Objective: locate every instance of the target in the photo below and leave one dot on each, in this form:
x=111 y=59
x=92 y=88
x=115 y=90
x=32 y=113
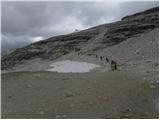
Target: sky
x=25 y=22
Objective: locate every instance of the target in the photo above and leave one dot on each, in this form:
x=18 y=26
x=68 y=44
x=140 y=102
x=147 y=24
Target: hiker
x=96 y=56
x=80 y=53
x=113 y=65
x=107 y=59
x=101 y=57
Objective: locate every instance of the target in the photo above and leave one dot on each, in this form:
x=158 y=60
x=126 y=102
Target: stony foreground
x=118 y=94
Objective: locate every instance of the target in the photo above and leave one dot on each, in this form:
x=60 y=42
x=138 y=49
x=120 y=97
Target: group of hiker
x=113 y=64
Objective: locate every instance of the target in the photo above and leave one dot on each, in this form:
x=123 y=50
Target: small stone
x=105 y=98
x=42 y=112
x=156 y=82
x=90 y=103
x=144 y=78
x=64 y=78
x=148 y=71
x=9 y=96
x=89 y=88
x=84 y=102
x=124 y=78
x=58 y=116
x=28 y=86
x=72 y=105
x=137 y=52
x=148 y=61
x=69 y=94
x=145 y=100
x=152 y=86
x=126 y=115
x=64 y=116
x=155 y=64
x=128 y=110
x=107 y=117
x=100 y=97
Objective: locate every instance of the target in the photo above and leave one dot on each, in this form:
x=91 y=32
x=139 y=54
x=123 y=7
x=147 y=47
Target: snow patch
x=69 y=66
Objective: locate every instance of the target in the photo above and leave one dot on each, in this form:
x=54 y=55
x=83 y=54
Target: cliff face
x=103 y=36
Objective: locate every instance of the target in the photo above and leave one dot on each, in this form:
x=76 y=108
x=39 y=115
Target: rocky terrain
x=28 y=91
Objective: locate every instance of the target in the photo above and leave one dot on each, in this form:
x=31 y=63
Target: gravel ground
x=118 y=94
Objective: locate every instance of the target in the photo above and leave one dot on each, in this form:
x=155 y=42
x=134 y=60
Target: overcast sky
x=26 y=22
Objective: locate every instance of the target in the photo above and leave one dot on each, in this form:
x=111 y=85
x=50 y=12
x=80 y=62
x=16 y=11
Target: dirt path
x=119 y=94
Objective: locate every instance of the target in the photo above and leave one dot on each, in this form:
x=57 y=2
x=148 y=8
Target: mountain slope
x=29 y=90
x=87 y=41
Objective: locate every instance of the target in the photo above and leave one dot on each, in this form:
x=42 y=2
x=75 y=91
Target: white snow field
x=69 y=66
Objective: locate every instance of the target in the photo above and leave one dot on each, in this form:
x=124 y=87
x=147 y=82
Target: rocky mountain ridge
x=102 y=36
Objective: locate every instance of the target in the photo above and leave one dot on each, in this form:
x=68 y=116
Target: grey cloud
x=11 y=42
